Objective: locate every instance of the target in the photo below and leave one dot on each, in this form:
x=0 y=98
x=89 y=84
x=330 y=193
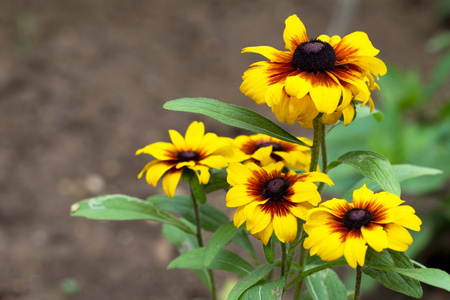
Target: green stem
x=358 y=282
x=306 y=273
x=283 y=265
x=318 y=133
x=323 y=149
x=318 y=137
x=200 y=242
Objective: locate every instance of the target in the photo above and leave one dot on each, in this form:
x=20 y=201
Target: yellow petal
x=301 y=210
x=331 y=119
x=214 y=161
x=362 y=197
x=295 y=33
x=398 y=237
x=160 y=150
x=265 y=234
x=319 y=177
x=194 y=135
x=306 y=111
x=326 y=93
x=259 y=219
x=271 y=53
x=255 y=83
x=263 y=155
x=331 y=248
x=358 y=42
x=355 y=249
x=336 y=206
x=285 y=227
x=202 y=174
x=170 y=182
x=156 y=171
x=324 y=38
x=349 y=114
x=238 y=196
x=275 y=94
x=238 y=174
x=177 y=140
x=239 y=217
x=297 y=86
x=147 y=166
x=375 y=236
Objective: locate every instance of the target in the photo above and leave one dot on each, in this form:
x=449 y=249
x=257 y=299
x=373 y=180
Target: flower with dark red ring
x=324 y=76
x=197 y=151
x=377 y=220
x=264 y=150
x=269 y=200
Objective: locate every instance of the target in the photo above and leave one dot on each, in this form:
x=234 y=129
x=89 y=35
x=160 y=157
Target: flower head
x=338 y=228
x=197 y=151
x=264 y=150
x=323 y=75
x=269 y=200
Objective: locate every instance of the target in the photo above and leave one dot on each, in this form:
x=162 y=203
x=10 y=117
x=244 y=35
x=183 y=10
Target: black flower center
x=355 y=218
x=274 y=189
x=314 y=56
x=275 y=146
x=188 y=156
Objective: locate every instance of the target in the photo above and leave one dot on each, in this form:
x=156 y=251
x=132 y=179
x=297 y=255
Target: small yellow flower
x=322 y=75
x=269 y=200
x=264 y=150
x=197 y=151
x=338 y=228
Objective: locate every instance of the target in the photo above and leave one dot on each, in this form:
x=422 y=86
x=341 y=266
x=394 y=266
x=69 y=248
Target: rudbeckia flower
x=375 y=220
x=264 y=150
x=197 y=151
x=271 y=201
x=322 y=75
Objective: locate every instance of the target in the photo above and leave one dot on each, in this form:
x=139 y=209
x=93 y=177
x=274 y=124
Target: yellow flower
x=338 y=228
x=264 y=150
x=197 y=151
x=269 y=200
x=322 y=75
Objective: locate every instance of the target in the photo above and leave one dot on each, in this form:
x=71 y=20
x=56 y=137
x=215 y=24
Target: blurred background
x=82 y=84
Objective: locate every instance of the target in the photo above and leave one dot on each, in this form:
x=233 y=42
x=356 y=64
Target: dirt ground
x=82 y=84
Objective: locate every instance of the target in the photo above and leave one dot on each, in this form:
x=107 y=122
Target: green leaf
x=197 y=190
x=180 y=239
x=434 y=277
x=241 y=239
x=210 y=217
x=373 y=166
x=224 y=260
x=220 y=238
x=205 y=278
x=217 y=181
x=363 y=112
x=326 y=285
x=379 y=266
x=123 y=207
x=268 y=252
x=232 y=115
x=264 y=291
x=249 y=280
x=403 y=171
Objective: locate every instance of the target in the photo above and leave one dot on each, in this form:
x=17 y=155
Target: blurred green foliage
x=414 y=130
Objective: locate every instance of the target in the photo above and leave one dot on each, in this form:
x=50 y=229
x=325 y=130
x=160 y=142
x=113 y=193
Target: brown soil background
x=82 y=84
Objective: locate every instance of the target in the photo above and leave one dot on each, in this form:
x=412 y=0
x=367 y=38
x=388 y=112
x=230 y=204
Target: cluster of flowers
x=270 y=191
x=270 y=186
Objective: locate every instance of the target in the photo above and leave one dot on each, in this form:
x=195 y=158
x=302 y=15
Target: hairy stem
x=323 y=149
x=358 y=282
x=200 y=243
